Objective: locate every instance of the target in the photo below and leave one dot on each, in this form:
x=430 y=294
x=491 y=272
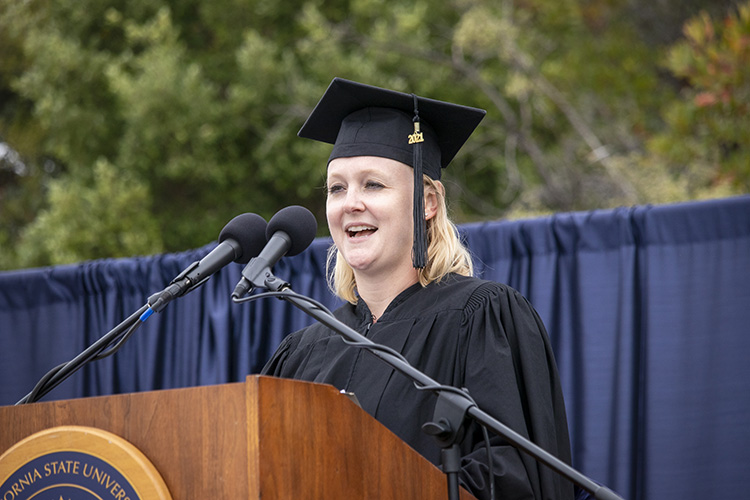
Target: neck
x=378 y=293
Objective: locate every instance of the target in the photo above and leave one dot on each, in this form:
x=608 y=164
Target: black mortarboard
x=362 y=120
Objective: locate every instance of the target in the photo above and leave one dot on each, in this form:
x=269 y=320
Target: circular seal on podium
x=78 y=463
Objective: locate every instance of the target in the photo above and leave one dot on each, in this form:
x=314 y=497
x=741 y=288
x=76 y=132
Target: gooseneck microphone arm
x=451 y=401
x=57 y=375
x=195 y=275
x=240 y=240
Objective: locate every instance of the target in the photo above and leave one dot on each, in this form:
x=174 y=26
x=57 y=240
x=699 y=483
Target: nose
x=353 y=201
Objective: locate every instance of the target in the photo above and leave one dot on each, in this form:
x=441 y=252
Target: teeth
x=356 y=229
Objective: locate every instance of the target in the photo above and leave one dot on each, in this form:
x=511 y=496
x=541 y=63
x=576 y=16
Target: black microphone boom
x=241 y=239
x=289 y=232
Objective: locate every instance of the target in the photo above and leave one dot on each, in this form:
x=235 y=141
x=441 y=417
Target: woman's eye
x=335 y=188
x=373 y=185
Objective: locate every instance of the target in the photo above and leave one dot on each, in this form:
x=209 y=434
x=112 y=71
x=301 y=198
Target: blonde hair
x=445 y=252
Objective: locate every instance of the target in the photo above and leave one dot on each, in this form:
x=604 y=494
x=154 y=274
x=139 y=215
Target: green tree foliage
x=145 y=125
x=110 y=206
x=708 y=137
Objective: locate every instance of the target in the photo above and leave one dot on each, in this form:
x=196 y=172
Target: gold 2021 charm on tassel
x=417 y=136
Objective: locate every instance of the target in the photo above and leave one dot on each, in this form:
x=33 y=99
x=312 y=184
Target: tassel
x=419 y=249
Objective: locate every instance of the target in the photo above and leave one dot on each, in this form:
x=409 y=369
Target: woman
x=398 y=262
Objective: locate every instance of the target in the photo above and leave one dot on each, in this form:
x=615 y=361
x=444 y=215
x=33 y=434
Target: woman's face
x=369 y=212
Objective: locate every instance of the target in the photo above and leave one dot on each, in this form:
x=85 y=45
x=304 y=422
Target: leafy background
x=132 y=127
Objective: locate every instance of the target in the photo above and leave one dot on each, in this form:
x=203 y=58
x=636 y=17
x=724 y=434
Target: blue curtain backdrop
x=648 y=309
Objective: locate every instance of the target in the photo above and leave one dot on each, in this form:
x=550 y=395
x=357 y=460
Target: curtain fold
x=648 y=310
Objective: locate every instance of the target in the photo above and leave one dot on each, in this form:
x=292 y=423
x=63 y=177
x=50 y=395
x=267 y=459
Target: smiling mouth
x=360 y=231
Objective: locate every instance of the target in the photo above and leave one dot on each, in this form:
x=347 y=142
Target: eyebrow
x=368 y=172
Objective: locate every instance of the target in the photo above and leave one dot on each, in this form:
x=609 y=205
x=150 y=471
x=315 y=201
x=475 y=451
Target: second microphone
x=289 y=232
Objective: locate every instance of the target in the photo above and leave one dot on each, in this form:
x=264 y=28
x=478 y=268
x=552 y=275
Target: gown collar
x=363 y=312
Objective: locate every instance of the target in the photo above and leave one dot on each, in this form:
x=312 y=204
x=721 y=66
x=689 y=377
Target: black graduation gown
x=463 y=332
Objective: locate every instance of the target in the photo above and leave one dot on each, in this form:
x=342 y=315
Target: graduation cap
x=363 y=120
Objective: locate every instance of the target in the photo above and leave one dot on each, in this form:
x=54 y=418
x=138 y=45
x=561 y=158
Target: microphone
x=289 y=232
x=241 y=239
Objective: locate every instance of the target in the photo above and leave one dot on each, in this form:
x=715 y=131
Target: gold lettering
x=115 y=490
x=99 y=476
x=91 y=470
x=20 y=485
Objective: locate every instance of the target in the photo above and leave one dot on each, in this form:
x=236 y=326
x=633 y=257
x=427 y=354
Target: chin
x=359 y=264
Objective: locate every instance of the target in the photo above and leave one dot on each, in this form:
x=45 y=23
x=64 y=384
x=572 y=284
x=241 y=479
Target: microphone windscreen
x=249 y=230
x=296 y=221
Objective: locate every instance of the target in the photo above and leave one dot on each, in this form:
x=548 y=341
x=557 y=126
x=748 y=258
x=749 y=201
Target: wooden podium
x=265 y=438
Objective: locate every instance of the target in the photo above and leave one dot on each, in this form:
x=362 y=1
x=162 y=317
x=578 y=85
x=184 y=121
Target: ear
x=431 y=200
